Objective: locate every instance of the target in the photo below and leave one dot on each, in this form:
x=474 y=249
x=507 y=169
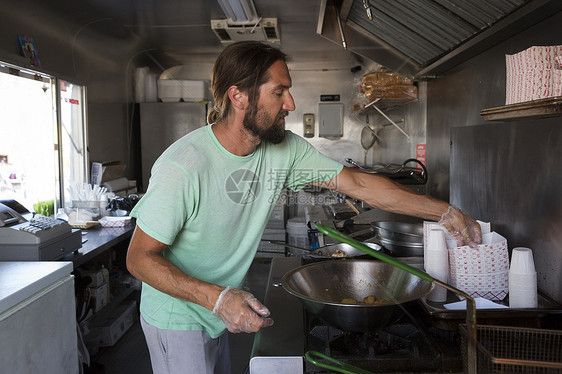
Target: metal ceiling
x=424 y=30
x=421 y=38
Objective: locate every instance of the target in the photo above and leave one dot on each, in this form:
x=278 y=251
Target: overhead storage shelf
x=387 y=103
x=543 y=108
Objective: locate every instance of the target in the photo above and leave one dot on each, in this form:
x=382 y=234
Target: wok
x=321 y=287
x=401 y=239
x=470 y=304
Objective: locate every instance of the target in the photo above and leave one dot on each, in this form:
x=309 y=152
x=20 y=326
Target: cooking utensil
x=402 y=250
x=470 y=304
x=353 y=207
x=368 y=138
x=333 y=251
x=400 y=231
x=347 y=202
x=322 y=286
x=403 y=173
x=507 y=349
x=401 y=239
x=340 y=367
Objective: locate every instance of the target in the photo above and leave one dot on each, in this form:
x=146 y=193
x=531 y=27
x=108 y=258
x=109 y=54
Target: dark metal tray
x=545 y=306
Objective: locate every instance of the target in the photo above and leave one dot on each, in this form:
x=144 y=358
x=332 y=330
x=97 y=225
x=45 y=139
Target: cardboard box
x=97 y=276
x=100 y=296
x=113 y=170
x=105 y=329
x=106 y=171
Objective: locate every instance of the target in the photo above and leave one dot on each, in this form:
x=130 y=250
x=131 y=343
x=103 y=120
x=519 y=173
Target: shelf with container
x=384 y=90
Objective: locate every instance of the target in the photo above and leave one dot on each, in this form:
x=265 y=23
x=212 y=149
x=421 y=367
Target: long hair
x=245 y=65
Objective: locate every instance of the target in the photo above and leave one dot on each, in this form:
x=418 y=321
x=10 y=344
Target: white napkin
x=481 y=303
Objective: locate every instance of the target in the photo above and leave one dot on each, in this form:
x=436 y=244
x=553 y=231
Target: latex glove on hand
x=241 y=311
x=462 y=227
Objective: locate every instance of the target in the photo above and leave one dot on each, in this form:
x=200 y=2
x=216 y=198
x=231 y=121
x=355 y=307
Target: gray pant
x=175 y=352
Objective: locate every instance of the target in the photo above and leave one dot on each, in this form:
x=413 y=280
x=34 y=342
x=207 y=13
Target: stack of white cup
x=522 y=279
x=437 y=263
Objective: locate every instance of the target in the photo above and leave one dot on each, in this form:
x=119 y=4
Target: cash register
x=26 y=236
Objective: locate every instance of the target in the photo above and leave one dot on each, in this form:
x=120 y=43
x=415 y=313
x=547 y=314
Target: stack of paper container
x=533 y=74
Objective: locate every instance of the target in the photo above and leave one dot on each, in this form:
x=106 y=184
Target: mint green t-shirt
x=211 y=207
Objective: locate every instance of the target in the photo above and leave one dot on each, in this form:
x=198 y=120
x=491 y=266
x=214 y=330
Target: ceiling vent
x=265 y=30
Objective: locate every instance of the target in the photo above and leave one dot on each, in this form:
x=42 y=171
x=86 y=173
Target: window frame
x=56 y=82
x=84 y=140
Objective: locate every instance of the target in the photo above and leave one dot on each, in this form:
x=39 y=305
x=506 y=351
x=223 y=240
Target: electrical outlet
x=308 y=123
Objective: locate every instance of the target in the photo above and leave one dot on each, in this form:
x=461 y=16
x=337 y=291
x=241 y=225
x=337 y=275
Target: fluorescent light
x=239 y=11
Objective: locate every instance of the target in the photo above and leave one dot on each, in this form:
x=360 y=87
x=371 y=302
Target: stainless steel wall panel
x=505 y=173
x=521 y=190
x=161 y=124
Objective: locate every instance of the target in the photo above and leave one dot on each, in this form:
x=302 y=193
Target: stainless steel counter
x=280 y=348
x=97 y=240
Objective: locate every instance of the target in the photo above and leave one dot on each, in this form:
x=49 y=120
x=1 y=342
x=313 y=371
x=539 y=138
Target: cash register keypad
x=40 y=223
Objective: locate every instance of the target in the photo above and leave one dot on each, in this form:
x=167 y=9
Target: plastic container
x=115 y=221
x=297 y=232
x=83 y=211
x=195 y=90
x=174 y=90
x=170 y=90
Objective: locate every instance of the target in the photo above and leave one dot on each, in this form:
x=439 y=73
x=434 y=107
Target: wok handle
x=377 y=254
x=341 y=367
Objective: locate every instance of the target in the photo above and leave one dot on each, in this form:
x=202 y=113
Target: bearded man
x=209 y=198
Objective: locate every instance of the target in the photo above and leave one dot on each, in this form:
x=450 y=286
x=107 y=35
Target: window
x=73 y=143
x=42 y=137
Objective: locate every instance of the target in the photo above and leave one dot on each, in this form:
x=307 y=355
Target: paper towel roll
x=437 y=264
x=116 y=184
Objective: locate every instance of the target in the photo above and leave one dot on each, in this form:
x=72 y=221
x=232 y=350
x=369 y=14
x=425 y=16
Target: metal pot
x=330 y=251
x=321 y=287
x=401 y=239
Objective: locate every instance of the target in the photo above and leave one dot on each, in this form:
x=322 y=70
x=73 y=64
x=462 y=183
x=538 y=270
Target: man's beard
x=272 y=132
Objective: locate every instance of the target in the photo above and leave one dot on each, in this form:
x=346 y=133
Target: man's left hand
x=462 y=227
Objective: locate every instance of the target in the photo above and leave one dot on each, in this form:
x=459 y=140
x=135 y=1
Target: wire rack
x=502 y=349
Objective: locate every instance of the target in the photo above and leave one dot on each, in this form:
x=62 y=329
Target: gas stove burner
x=405 y=346
x=396 y=340
x=410 y=345
x=326 y=333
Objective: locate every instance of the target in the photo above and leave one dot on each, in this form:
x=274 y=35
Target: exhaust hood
x=424 y=38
